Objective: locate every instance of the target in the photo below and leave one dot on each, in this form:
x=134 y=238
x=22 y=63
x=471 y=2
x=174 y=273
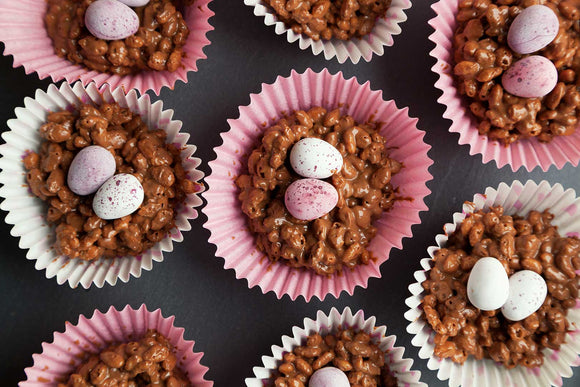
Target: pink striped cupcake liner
x=527 y=153
x=328 y=324
x=23 y=32
x=519 y=199
x=27 y=213
x=354 y=49
x=228 y=225
x=63 y=355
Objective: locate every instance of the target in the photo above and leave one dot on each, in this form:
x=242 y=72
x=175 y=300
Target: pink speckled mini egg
x=531 y=77
x=533 y=29
x=315 y=158
x=90 y=168
x=135 y=3
x=309 y=199
x=328 y=377
x=119 y=196
x=111 y=20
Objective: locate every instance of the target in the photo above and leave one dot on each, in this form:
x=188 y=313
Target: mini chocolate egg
x=532 y=77
x=134 y=3
x=308 y=199
x=315 y=158
x=111 y=20
x=328 y=377
x=488 y=284
x=528 y=292
x=119 y=196
x=533 y=29
x=90 y=168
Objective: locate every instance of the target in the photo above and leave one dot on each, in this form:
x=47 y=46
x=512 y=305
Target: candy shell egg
x=532 y=77
x=328 y=377
x=111 y=20
x=134 y=3
x=309 y=199
x=119 y=196
x=528 y=292
x=90 y=168
x=315 y=158
x=533 y=29
x=488 y=284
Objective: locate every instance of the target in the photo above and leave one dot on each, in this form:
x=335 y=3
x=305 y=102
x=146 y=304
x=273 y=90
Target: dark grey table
x=232 y=324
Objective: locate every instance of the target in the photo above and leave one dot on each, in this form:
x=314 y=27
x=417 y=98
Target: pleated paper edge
x=37 y=237
x=527 y=153
x=325 y=324
x=234 y=242
x=516 y=198
x=95 y=333
x=354 y=49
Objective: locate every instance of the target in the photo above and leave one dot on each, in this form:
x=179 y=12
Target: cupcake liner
x=516 y=199
x=64 y=354
x=529 y=153
x=327 y=324
x=228 y=224
x=353 y=49
x=23 y=32
x=27 y=212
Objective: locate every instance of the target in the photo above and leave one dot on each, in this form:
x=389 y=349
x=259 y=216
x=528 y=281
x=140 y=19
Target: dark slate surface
x=232 y=324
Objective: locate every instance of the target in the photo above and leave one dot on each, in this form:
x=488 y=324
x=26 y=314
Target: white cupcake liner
x=353 y=49
x=63 y=355
x=27 y=212
x=517 y=199
x=327 y=324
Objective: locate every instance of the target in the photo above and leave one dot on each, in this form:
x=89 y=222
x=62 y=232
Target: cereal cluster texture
x=482 y=55
x=530 y=243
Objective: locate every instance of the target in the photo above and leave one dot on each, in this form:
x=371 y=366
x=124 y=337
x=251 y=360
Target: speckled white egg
x=135 y=3
x=90 y=168
x=328 y=377
x=532 y=77
x=315 y=158
x=309 y=199
x=533 y=29
x=528 y=292
x=119 y=196
x=111 y=20
x=488 y=284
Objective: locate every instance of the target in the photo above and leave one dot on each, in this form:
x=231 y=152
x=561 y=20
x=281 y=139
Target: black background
x=232 y=324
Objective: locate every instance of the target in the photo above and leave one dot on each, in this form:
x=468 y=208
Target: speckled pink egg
x=90 y=168
x=309 y=199
x=528 y=292
x=135 y=3
x=111 y=20
x=315 y=158
x=533 y=29
x=119 y=196
x=531 y=77
x=328 y=377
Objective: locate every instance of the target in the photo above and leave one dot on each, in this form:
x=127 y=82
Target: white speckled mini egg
x=533 y=29
x=531 y=77
x=90 y=168
x=528 y=292
x=488 y=284
x=328 y=377
x=119 y=196
x=309 y=199
x=111 y=20
x=315 y=158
